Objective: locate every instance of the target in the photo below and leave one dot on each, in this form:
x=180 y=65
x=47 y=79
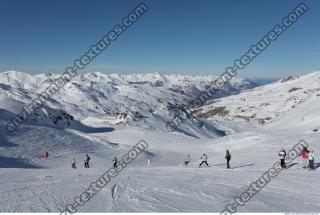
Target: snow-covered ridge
x=111 y=98
x=97 y=99
x=12 y=76
x=262 y=104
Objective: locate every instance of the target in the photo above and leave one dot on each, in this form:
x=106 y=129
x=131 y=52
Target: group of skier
x=204 y=159
x=307 y=158
x=86 y=162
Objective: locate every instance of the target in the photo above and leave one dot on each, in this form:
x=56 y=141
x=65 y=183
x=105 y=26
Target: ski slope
x=167 y=186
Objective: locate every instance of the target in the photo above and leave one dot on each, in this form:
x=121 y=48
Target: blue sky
x=175 y=36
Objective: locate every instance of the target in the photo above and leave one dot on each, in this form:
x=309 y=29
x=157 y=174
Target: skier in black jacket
x=115 y=162
x=228 y=157
x=86 y=161
x=73 y=163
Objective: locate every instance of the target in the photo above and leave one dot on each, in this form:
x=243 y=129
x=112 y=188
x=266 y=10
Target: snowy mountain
x=267 y=103
x=97 y=99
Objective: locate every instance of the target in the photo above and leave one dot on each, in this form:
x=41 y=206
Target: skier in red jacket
x=304 y=154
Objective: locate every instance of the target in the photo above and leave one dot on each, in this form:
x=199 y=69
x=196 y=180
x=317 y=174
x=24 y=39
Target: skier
x=188 y=160
x=73 y=163
x=304 y=154
x=228 y=157
x=204 y=159
x=282 y=155
x=311 y=160
x=149 y=161
x=86 y=161
x=115 y=162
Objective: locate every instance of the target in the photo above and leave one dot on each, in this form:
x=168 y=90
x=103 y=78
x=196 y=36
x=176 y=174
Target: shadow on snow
x=250 y=164
x=7 y=162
